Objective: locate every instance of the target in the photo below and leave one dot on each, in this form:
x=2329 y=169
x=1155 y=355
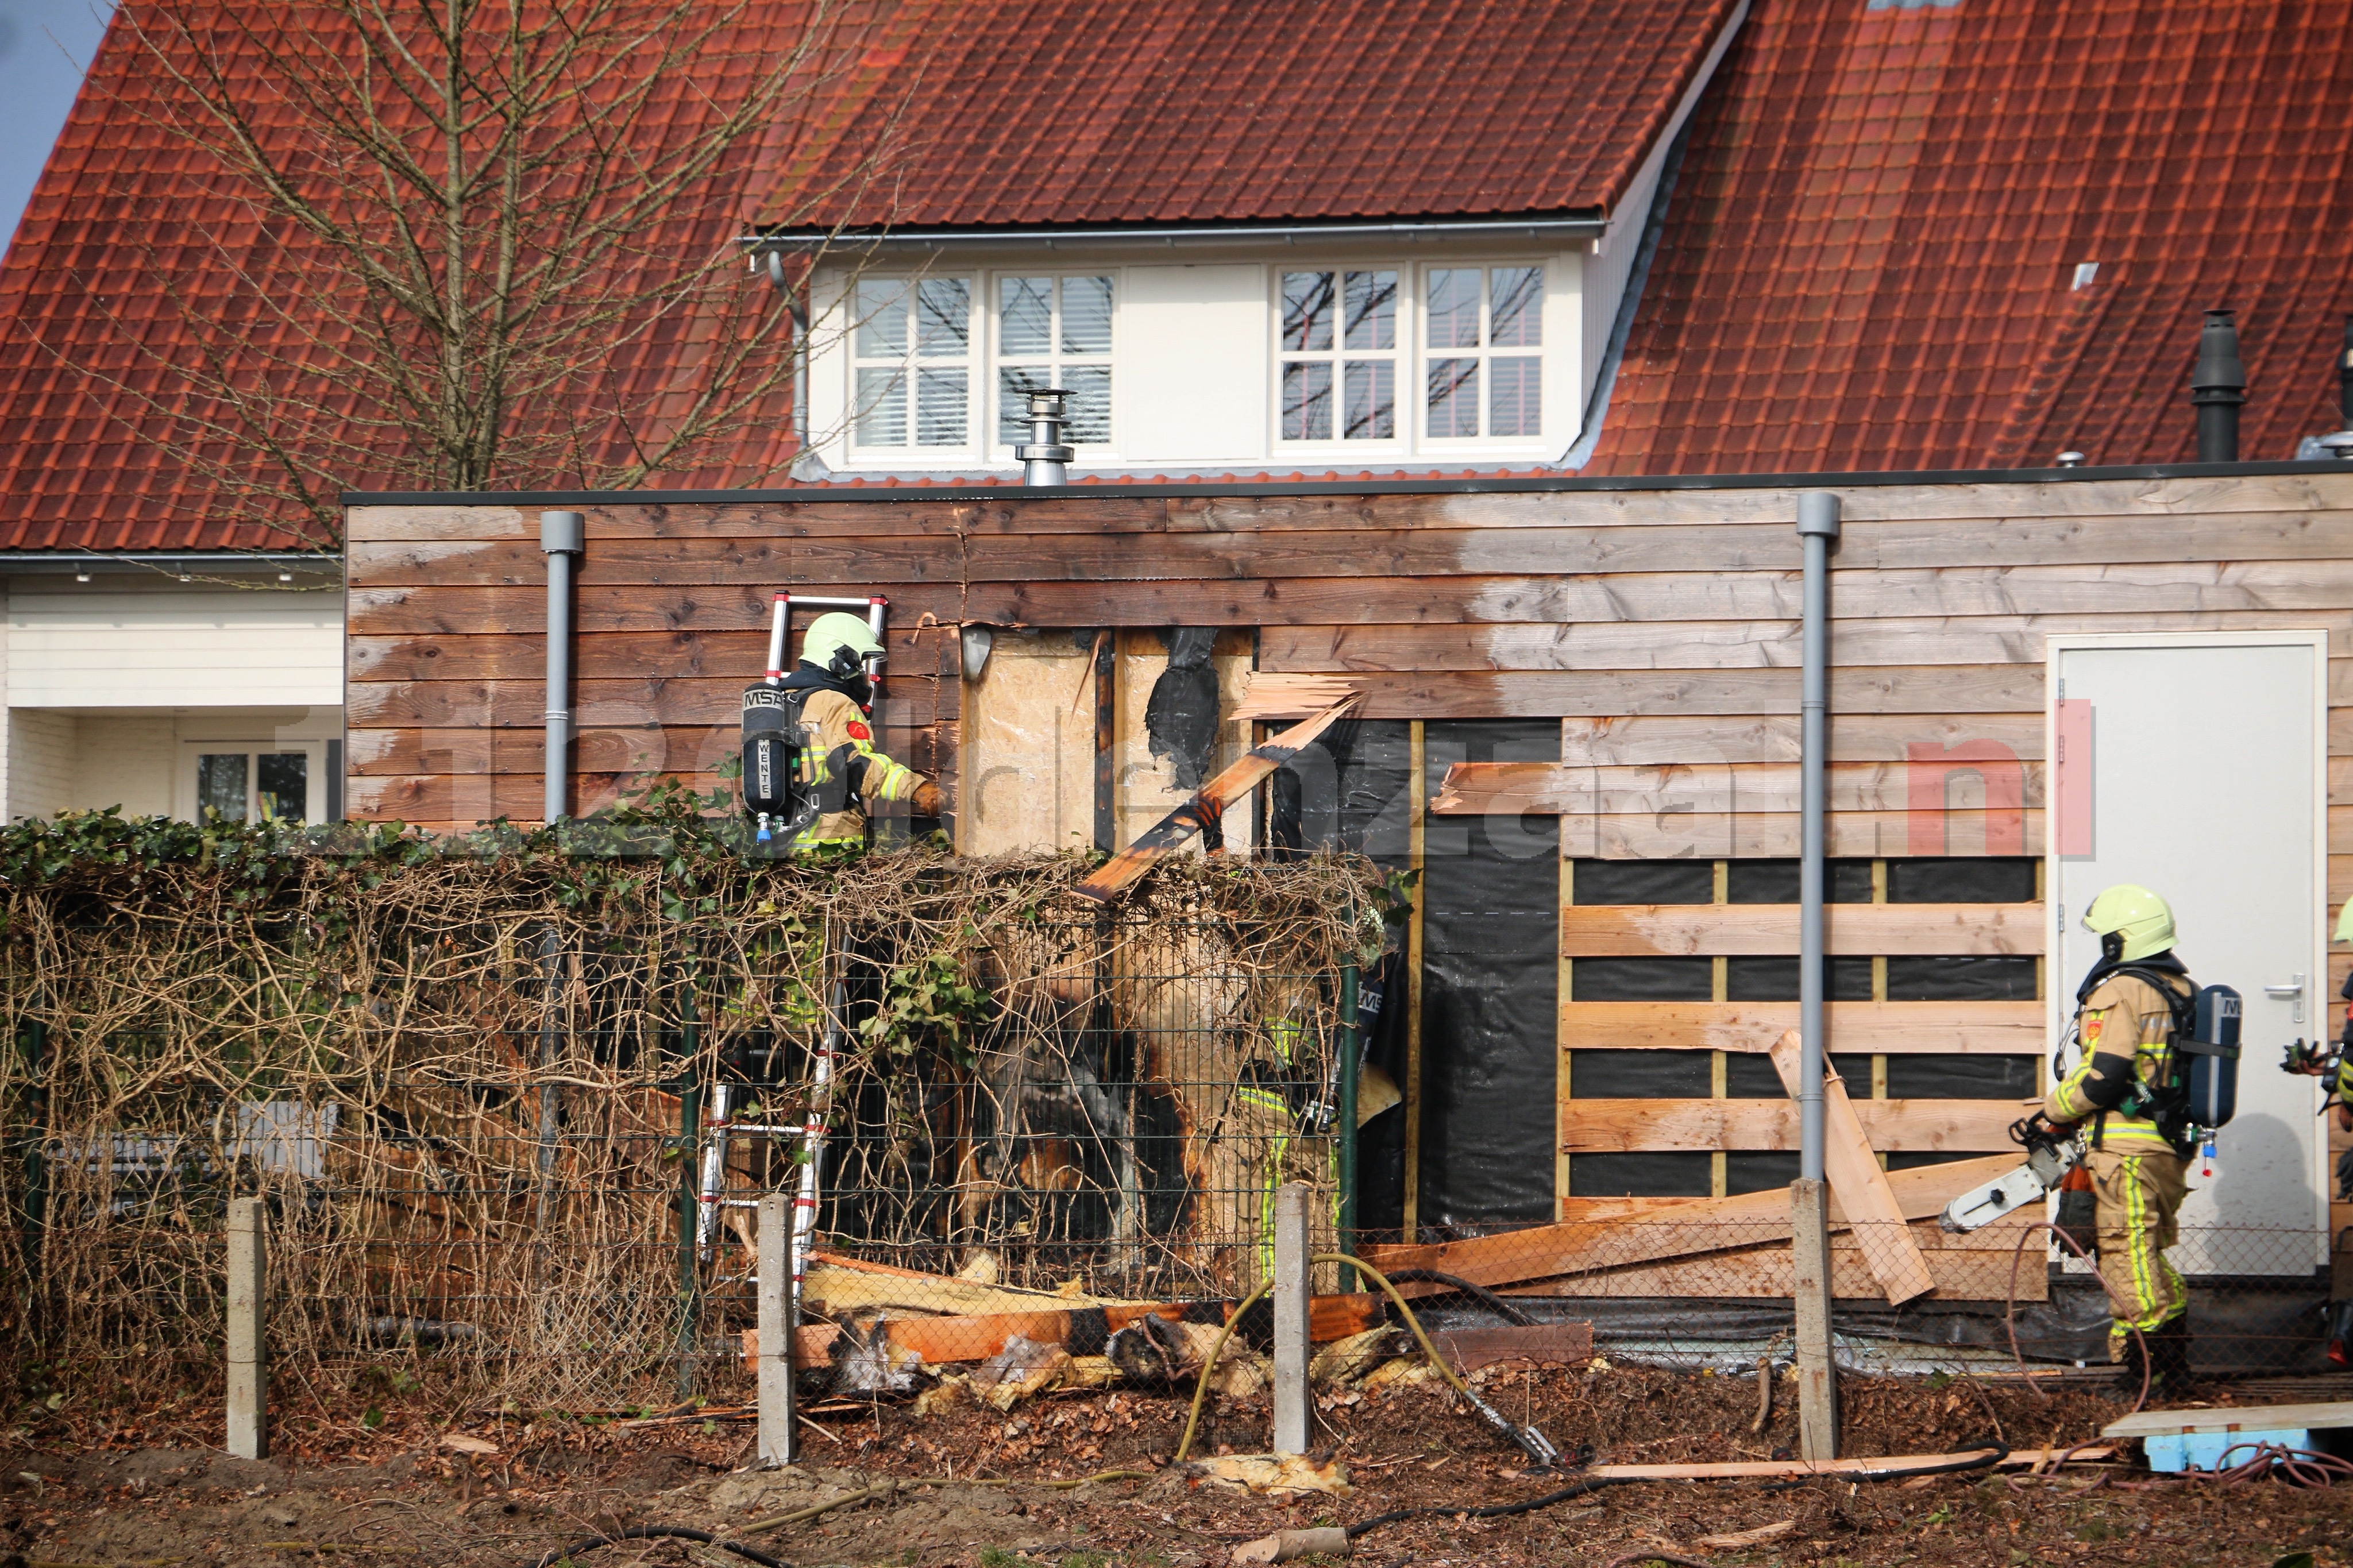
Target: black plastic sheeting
x=1347 y=790
x=1490 y=1030
x=1181 y=718
x=2271 y=1326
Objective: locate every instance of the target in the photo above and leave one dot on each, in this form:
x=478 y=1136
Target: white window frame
x=1400 y=357
x=314 y=792
x=1055 y=360
x=1485 y=352
x=910 y=363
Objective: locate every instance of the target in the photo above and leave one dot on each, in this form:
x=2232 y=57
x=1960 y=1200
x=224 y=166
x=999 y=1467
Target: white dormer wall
x=1197 y=351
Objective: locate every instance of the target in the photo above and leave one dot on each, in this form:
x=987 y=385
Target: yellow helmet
x=2131 y=922
x=840 y=644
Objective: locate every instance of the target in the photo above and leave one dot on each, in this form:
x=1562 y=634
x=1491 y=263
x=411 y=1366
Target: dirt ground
x=92 y=1489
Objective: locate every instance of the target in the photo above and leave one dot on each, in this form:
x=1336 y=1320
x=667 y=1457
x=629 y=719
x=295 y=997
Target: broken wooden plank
x=1467 y=1350
x=1735 y=1469
x=944 y=1340
x=1862 y=1028
x=1616 y=930
x=1700 y=1225
x=1893 y=1126
x=1271 y=696
x=1210 y=805
x=1972 y=1267
x=1852 y=1167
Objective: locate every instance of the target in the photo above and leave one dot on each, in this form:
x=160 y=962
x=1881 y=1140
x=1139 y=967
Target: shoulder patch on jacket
x=859 y=731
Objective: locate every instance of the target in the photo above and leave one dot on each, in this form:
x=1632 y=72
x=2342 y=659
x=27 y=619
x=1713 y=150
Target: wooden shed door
x=2195 y=765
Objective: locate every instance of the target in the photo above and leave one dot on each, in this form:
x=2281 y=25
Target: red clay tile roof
x=1093 y=111
x=1870 y=258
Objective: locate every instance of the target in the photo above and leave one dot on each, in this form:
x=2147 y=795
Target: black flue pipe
x=2218 y=387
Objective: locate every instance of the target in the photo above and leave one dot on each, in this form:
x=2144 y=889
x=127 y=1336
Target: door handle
x=2293 y=990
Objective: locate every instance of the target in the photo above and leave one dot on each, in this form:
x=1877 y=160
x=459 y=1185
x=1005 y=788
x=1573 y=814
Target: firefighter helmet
x=2131 y=922
x=840 y=644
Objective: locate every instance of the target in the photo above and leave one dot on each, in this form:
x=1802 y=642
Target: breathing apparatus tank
x=773 y=741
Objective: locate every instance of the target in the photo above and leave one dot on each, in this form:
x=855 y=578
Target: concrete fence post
x=248 y=1352
x=1817 y=1370
x=1290 y=1288
x=775 y=1330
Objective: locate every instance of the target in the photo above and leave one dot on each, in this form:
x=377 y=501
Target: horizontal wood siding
x=1660 y=627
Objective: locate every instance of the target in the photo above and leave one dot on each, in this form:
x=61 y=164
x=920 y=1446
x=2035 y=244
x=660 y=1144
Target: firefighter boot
x=2133 y=1368
x=2169 y=1354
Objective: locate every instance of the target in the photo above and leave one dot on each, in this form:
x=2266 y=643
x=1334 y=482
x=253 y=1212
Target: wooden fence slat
x=1868 y=834
x=1893 y=1126
x=1473 y=789
x=1592 y=931
x=740 y=655
x=1852 y=1166
x=1883 y=1029
x=1663 y=741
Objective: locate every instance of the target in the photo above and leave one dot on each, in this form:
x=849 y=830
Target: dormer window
x=1339 y=356
x=1054 y=332
x=912 y=342
x=1481 y=328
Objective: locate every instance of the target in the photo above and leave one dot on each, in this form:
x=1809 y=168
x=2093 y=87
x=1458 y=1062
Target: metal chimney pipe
x=562 y=536
x=1818 y=525
x=1045 y=460
x=2217 y=388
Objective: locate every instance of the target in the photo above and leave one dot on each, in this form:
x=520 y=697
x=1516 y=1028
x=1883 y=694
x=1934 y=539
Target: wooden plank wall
x=1658 y=626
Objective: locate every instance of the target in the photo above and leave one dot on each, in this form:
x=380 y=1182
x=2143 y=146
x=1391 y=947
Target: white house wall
x=113 y=643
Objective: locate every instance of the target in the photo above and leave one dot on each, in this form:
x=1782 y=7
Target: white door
x=2195 y=764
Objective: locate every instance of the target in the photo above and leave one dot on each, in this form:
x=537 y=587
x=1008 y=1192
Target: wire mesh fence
x=511 y=1120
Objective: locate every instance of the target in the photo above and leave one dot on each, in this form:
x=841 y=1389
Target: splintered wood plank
x=1615 y=931
x=1972 y=1267
x=1993 y=783
x=1863 y=1194
x=1705 y=738
x=1870 y=835
x=1879 y=1028
x=1639 y=1234
x=1892 y=1126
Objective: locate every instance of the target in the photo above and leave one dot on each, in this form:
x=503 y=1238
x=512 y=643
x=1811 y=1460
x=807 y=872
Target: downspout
x=1818 y=525
x=798 y=310
x=561 y=537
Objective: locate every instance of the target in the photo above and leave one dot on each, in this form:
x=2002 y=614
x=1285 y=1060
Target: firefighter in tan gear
x=840 y=660
x=2123 y=1022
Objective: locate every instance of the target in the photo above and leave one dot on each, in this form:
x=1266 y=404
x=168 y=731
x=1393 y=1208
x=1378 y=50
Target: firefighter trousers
x=2139 y=1195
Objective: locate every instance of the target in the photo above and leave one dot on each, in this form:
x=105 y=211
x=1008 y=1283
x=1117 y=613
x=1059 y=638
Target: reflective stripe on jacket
x=846 y=770
x=2125 y=1016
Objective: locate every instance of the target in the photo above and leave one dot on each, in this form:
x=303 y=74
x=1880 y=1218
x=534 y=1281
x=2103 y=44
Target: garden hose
x=1534 y=1444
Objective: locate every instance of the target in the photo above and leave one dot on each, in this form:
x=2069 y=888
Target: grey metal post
x=1291 y=1286
x=1818 y=525
x=1817 y=1369
x=249 y=1351
x=775 y=1330
x=562 y=536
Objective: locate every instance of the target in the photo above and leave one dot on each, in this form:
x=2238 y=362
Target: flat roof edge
x=1535 y=484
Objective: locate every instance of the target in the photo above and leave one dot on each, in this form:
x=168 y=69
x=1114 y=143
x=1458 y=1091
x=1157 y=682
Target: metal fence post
x=248 y=1356
x=775 y=1330
x=1352 y=1048
x=1817 y=1371
x=1291 y=1210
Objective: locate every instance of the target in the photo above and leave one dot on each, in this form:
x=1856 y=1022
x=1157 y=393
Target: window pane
x=1089 y=405
x=1307 y=312
x=881 y=407
x=282 y=786
x=1372 y=400
x=1514 y=406
x=939 y=408
x=943 y=312
x=1518 y=296
x=1453 y=313
x=1086 y=317
x=1014 y=384
x=882 y=320
x=220 y=786
x=1453 y=397
x=1307 y=401
x=1372 y=310
x=1026 y=308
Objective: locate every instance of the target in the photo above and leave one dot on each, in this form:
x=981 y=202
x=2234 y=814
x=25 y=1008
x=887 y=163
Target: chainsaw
x=2051 y=1153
